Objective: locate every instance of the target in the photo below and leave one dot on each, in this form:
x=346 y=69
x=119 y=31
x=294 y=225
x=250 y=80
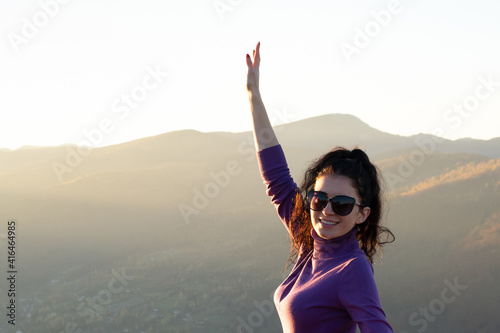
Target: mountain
x=184 y=218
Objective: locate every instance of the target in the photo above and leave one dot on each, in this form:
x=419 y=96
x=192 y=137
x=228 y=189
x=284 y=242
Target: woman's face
x=326 y=223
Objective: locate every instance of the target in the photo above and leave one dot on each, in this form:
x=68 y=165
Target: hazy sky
x=118 y=70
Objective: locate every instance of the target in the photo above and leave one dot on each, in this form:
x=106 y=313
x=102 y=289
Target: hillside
x=185 y=214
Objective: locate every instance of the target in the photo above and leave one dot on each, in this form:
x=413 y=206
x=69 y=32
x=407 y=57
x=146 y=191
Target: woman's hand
x=253 y=70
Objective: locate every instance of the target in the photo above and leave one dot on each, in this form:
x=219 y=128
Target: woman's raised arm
x=263 y=131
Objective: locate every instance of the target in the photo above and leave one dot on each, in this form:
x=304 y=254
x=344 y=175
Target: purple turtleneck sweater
x=331 y=288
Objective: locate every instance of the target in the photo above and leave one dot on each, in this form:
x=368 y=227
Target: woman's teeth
x=328 y=222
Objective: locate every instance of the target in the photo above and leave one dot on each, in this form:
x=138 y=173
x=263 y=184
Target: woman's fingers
x=257 y=55
x=253 y=69
x=249 y=61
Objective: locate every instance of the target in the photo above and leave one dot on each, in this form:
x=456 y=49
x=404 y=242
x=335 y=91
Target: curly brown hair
x=364 y=175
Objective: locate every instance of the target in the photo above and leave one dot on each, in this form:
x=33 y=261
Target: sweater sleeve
x=359 y=295
x=279 y=183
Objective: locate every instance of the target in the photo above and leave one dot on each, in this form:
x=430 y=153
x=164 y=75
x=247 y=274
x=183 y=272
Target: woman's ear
x=363 y=215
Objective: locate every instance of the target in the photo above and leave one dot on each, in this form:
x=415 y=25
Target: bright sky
x=119 y=70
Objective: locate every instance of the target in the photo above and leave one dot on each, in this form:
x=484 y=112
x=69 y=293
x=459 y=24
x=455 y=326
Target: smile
x=328 y=222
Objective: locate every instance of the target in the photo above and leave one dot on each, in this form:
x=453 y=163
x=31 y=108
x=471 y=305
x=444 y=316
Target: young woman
x=333 y=222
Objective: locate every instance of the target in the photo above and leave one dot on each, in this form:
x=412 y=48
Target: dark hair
x=355 y=165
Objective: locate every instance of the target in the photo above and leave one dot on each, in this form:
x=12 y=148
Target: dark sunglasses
x=341 y=204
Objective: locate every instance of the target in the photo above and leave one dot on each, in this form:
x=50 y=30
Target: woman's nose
x=328 y=210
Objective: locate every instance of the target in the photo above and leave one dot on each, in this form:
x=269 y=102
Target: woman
x=335 y=232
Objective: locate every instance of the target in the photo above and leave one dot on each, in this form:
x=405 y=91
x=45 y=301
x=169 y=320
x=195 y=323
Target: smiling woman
x=335 y=217
x=334 y=233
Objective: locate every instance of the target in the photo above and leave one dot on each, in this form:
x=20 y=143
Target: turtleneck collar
x=335 y=247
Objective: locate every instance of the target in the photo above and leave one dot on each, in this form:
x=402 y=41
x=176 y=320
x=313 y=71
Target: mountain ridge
x=347 y=123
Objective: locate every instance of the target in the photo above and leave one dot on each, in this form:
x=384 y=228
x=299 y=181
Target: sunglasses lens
x=317 y=200
x=343 y=205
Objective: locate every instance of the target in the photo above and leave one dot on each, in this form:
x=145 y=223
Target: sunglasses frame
x=311 y=193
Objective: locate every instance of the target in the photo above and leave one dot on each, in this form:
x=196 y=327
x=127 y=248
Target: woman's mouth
x=328 y=223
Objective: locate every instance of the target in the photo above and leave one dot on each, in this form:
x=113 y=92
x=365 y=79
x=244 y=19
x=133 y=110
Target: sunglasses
x=341 y=204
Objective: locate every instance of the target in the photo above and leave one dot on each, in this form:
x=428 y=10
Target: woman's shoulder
x=303 y=256
x=357 y=266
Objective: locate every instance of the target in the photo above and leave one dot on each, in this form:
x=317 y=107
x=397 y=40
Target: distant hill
x=185 y=213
